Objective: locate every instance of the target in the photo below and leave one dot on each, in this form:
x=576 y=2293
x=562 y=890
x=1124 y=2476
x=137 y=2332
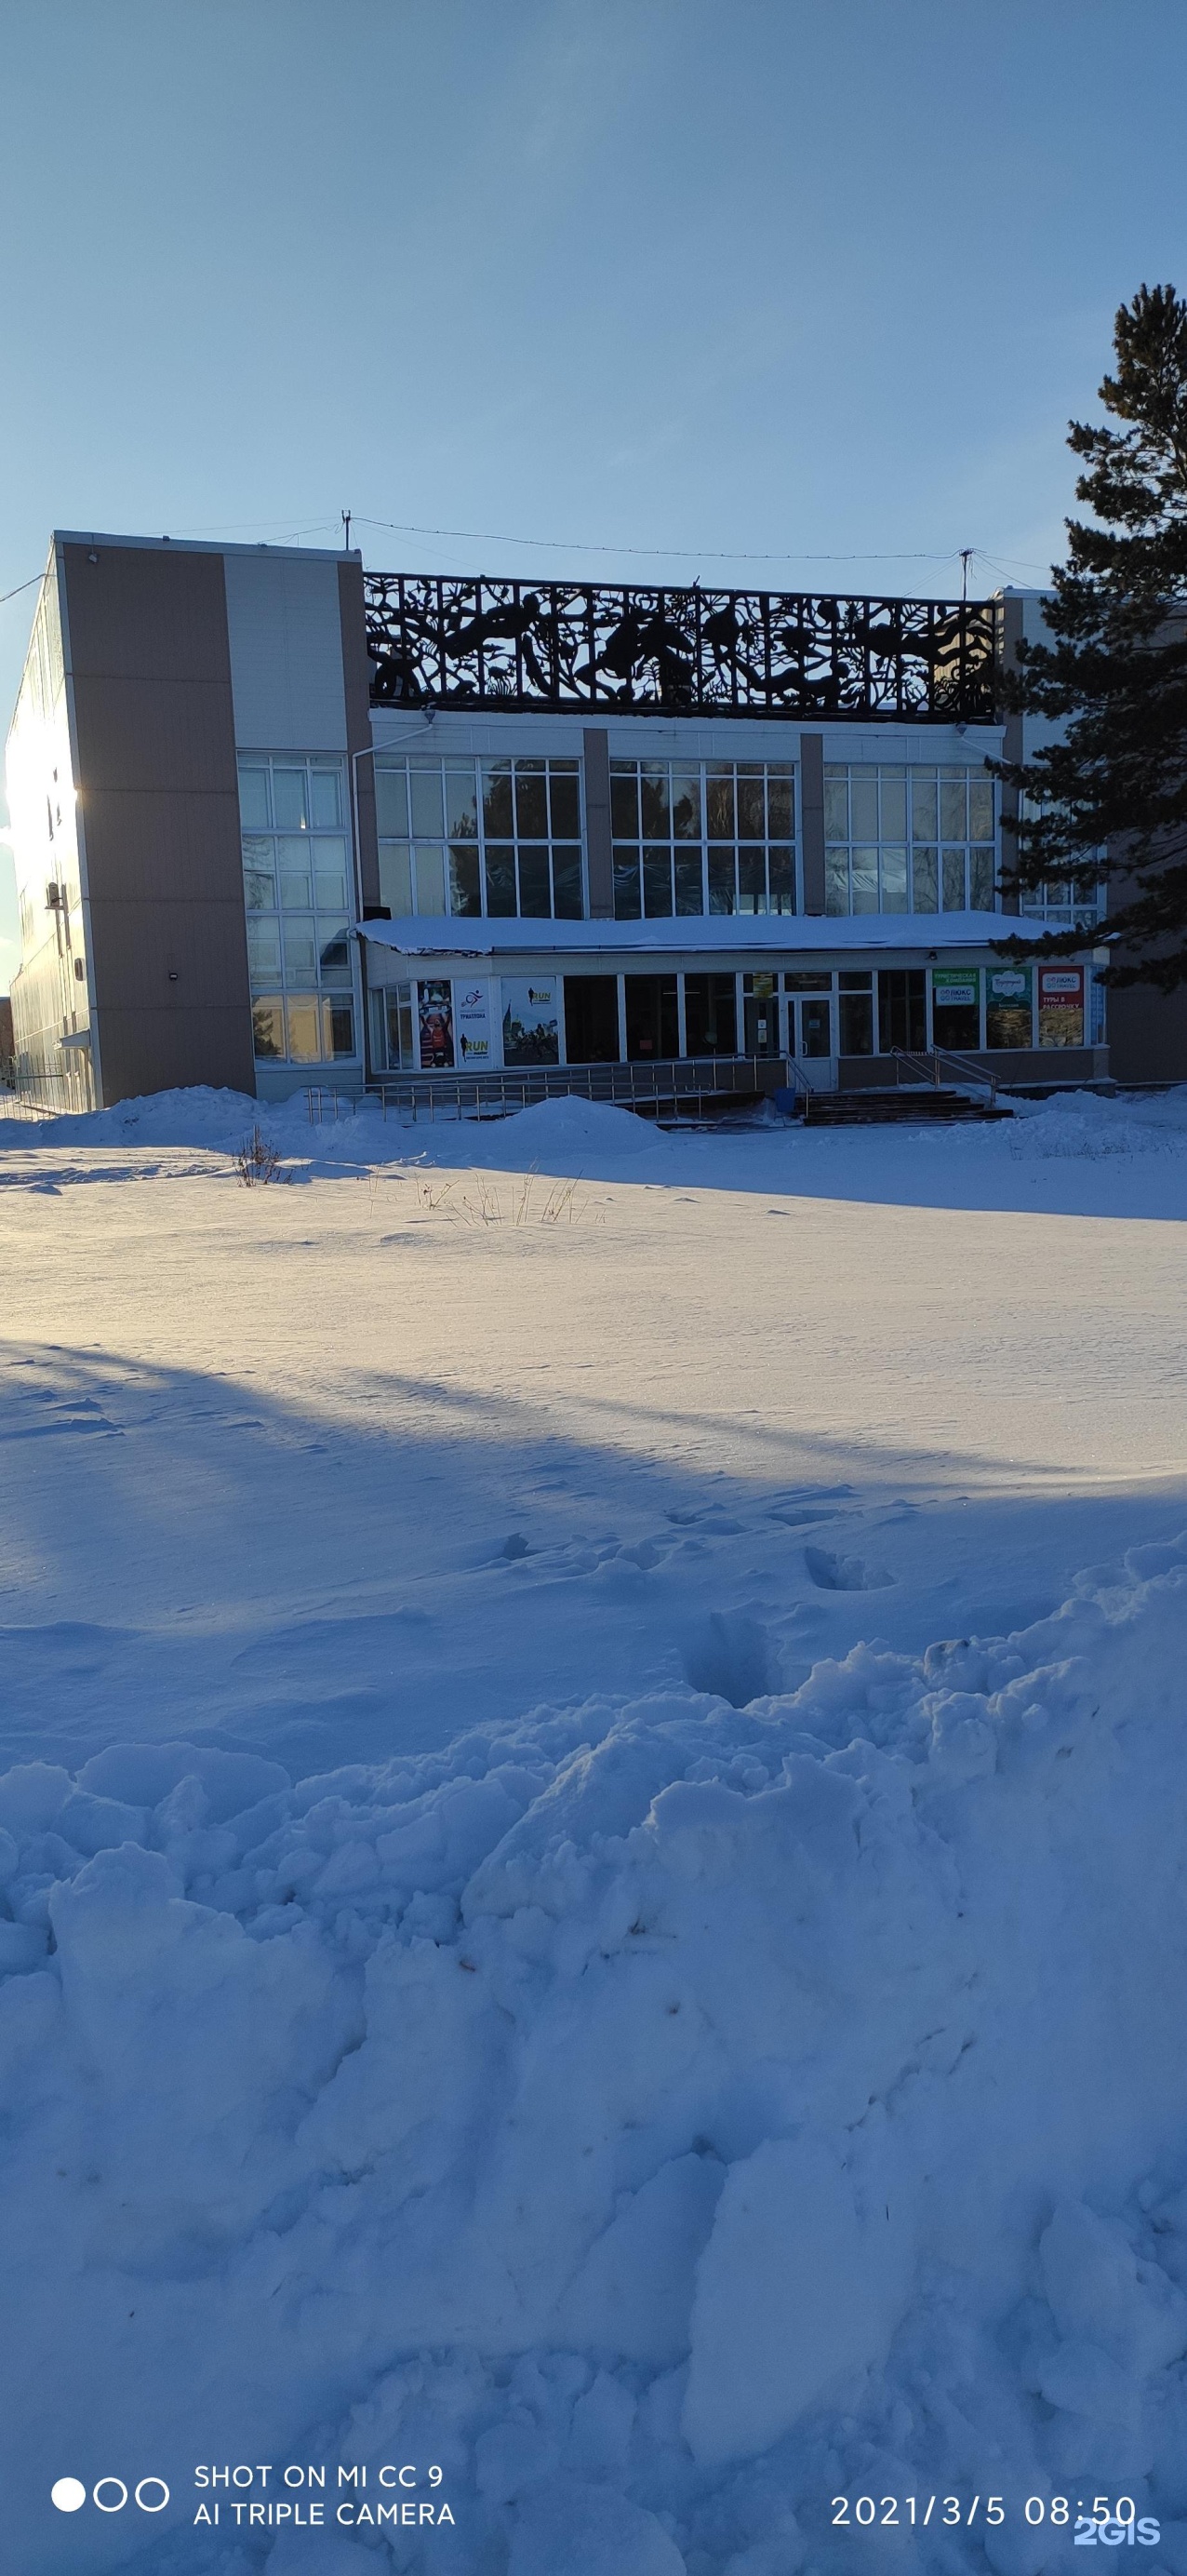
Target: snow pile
x=197 y=1116
x=567 y=1133
x=665 y=2116
x=1082 y=1124
x=589 y=1127
x=1145 y=1136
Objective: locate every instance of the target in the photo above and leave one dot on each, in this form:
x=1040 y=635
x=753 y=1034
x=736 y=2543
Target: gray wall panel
x=285 y=627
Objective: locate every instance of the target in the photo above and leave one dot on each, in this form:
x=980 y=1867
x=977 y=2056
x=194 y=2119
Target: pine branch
x=1113 y=670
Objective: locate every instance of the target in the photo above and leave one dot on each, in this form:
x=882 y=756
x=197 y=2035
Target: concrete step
x=875 y=1108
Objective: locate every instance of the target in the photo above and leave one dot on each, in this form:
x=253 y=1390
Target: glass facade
x=700 y=837
x=474 y=836
x=809 y=1012
x=500 y=838
x=300 y=909
x=908 y=839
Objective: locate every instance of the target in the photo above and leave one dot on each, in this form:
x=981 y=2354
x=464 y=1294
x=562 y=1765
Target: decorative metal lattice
x=575 y=647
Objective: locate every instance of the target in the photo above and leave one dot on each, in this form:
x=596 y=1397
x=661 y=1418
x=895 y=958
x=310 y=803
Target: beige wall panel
x=139 y=947
x=144 y=734
x=159 y=804
x=151 y=1050
x=599 y=846
x=139 y=612
x=1147 y=1035
x=157 y=846
x=811 y=820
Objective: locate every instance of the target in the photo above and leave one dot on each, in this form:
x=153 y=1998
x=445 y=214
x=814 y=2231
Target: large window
x=710 y=1015
x=696 y=837
x=297 y=891
x=468 y=837
x=908 y=840
x=902 y=1009
x=591 y=1019
x=1064 y=900
x=855 y=1012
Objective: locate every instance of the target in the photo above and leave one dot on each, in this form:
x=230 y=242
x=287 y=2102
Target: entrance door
x=760 y=1014
x=652 y=1018
x=902 y=1009
x=710 y=1015
x=591 y=1019
x=814 y=1025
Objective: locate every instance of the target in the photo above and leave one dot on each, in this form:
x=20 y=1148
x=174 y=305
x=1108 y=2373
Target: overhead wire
x=685 y=554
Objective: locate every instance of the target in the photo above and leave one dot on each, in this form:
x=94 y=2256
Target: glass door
x=811 y=1025
x=760 y=1014
x=652 y=1018
x=814 y=1024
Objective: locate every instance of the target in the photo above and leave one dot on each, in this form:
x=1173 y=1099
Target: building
x=280 y=822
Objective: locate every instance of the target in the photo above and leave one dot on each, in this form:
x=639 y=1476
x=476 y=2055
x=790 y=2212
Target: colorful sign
x=1009 y=1007
x=956 y=988
x=531 y=1029
x=1061 y=1006
x=471 y=1015
x=435 y=1013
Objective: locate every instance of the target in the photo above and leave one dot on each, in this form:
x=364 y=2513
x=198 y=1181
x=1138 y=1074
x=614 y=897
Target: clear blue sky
x=792 y=279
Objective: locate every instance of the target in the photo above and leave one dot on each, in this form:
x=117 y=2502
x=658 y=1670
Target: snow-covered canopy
x=771 y=934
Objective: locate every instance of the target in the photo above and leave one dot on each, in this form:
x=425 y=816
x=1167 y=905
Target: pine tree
x=1115 y=670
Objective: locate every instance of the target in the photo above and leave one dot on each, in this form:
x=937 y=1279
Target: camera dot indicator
x=68 y=2494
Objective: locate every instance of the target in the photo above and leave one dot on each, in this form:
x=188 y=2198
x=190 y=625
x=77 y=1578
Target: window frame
x=401 y=850
x=917 y=846
x=719 y=856
x=290 y=995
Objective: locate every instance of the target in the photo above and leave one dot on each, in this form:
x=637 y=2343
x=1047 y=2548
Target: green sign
x=956 y=988
x=1009 y=1006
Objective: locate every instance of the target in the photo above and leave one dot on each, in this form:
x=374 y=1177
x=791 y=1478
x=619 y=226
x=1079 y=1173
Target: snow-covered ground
x=593 y=1840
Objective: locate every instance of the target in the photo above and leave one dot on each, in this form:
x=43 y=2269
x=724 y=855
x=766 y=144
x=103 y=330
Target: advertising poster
x=435 y=1009
x=1009 y=997
x=531 y=1031
x=956 y=1006
x=1061 y=1006
x=471 y=1013
x=955 y=988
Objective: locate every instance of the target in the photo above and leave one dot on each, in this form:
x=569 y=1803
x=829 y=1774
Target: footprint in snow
x=844 y=1573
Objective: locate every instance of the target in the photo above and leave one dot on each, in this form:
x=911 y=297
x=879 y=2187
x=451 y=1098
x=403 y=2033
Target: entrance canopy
x=767 y=934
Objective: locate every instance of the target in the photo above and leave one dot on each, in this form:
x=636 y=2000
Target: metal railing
x=926 y=1067
x=13 y=1105
x=671 y=1085
x=44 y=1095
x=322 y=1103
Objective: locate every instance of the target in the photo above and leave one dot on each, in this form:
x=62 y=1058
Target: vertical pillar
x=599 y=857
x=360 y=777
x=1013 y=746
x=812 y=819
